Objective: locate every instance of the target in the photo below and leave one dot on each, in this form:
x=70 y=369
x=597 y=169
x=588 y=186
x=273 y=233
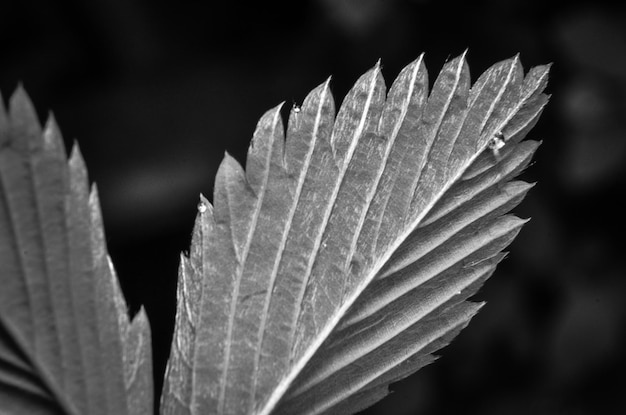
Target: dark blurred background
x=156 y=91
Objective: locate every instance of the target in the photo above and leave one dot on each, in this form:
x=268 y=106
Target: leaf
x=343 y=256
x=66 y=343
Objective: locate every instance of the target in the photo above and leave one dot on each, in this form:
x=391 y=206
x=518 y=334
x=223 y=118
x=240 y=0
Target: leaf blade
x=348 y=205
x=62 y=316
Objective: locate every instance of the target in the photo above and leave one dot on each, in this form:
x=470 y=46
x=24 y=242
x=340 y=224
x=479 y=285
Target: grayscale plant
x=335 y=263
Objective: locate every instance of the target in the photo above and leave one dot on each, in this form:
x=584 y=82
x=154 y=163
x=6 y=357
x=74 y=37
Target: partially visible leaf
x=341 y=258
x=66 y=343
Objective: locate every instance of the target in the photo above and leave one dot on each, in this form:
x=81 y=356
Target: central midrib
x=306 y=356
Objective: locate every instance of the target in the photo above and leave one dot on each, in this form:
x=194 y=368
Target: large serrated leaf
x=66 y=343
x=342 y=256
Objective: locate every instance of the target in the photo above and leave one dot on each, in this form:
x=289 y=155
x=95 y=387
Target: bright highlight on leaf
x=342 y=256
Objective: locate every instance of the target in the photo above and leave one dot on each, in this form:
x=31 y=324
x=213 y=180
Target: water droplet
x=497 y=141
x=202 y=207
x=296 y=109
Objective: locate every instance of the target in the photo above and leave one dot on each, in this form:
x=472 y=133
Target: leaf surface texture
x=67 y=345
x=342 y=256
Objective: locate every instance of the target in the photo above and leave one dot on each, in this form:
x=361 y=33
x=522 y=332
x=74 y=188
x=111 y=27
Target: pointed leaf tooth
x=314 y=122
x=434 y=333
x=98 y=239
x=412 y=80
x=505 y=105
x=476 y=267
x=490 y=237
x=441 y=121
x=518 y=155
x=536 y=81
x=456 y=318
x=232 y=209
x=26 y=131
x=524 y=121
x=531 y=103
x=79 y=181
x=352 y=116
x=489 y=106
x=267 y=142
x=138 y=366
x=488 y=176
x=399 y=122
x=474 y=212
x=466 y=190
x=53 y=140
x=364 y=336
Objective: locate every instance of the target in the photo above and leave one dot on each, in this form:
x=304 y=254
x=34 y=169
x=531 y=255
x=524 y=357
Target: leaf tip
x=52 y=138
x=229 y=165
x=21 y=106
x=76 y=160
x=457 y=64
x=23 y=119
x=94 y=198
x=462 y=57
x=324 y=89
x=141 y=319
x=79 y=181
x=516 y=62
x=476 y=306
x=98 y=241
x=513 y=225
